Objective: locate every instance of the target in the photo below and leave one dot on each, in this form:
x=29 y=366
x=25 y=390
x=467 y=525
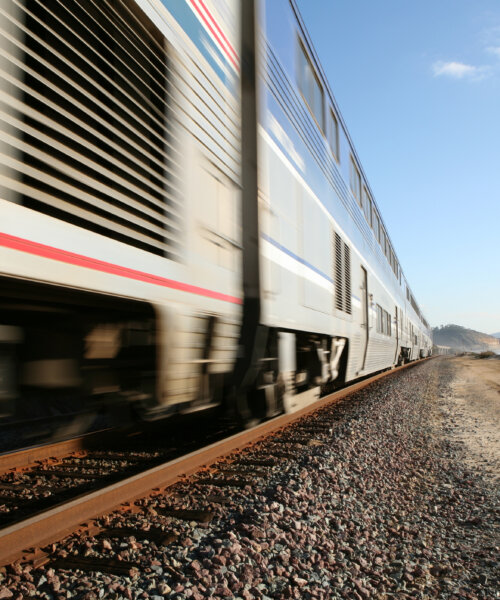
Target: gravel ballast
x=381 y=506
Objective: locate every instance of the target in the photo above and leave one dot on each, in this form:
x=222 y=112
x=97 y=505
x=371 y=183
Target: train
x=185 y=223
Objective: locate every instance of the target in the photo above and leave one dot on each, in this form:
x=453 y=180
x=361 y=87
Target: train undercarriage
x=72 y=361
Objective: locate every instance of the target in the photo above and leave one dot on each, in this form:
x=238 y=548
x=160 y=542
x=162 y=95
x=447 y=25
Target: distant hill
x=497 y=335
x=468 y=340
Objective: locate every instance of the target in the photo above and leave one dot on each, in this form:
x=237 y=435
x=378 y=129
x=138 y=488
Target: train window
x=367 y=205
x=379 y=318
x=310 y=87
x=384 y=324
x=333 y=135
x=376 y=225
x=355 y=181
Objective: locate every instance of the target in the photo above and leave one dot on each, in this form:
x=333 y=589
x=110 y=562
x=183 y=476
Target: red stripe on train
x=79 y=260
x=214 y=33
x=216 y=25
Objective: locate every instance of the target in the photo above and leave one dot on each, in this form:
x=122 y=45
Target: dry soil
x=473 y=407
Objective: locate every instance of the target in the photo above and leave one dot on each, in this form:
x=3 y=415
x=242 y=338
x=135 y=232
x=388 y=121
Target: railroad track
x=188 y=488
x=39 y=478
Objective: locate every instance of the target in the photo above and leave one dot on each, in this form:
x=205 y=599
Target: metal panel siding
x=286 y=95
x=290 y=132
x=355 y=356
x=207 y=102
x=210 y=117
x=380 y=353
x=198 y=22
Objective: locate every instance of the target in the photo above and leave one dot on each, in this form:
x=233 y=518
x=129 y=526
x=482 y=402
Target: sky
x=418 y=85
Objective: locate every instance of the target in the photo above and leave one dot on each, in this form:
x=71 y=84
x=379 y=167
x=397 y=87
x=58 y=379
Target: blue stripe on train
x=296 y=257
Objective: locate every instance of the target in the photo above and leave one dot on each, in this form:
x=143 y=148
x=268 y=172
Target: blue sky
x=418 y=84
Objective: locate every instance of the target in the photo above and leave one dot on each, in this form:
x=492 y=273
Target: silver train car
x=184 y=221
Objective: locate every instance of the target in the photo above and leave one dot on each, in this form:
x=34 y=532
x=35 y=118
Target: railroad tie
x=242 y=472
x=39 y=489
x=312 y=443
x=213 y=498
x=162 y=538
x=254 y=462
x=219 y=482
x=287 y=455
x=13 y=500
x=102 y=565
x=285 y=440
x=70 y=474
x=199 y=516
x=314 y=430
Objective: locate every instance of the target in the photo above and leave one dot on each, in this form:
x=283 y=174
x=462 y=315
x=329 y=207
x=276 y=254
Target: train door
x=398 y=318
x=365 y=326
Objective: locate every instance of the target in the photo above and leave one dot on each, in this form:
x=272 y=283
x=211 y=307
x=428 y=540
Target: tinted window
x=355 y=181
x=333 y=135
x=310 y=87
x=376 y=225
x=367 y=205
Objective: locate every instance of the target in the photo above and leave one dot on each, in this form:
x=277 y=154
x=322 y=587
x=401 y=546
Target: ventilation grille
x=342 y=276
x=84 y=118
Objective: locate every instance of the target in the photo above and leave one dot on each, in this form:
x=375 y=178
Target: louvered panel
x=87 y=130
x=61 y=76
x=71 y=182
x=209 y=134
x=339 y=280
x=59 y=208
x=42 y=122
x=35 y=135
x=194 y=81
x=215 y=114
x=342 y=276
x=129 y=90
x=347 y=280
x=88 y=67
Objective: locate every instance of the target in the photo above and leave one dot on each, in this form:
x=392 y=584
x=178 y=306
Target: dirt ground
x=473 y=409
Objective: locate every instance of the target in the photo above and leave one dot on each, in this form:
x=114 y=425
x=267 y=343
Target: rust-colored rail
x=19 y=541
x=19 y=459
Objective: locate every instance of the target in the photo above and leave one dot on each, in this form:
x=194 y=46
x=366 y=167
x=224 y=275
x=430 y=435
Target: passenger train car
x=184 y=220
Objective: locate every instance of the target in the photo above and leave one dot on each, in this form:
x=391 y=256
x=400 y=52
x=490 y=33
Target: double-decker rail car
x=184 y=220
x=333 y=291
x=120 y=199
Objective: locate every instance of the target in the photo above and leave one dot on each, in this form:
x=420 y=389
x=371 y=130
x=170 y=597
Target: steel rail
x=19 y=459
x=19 y=541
